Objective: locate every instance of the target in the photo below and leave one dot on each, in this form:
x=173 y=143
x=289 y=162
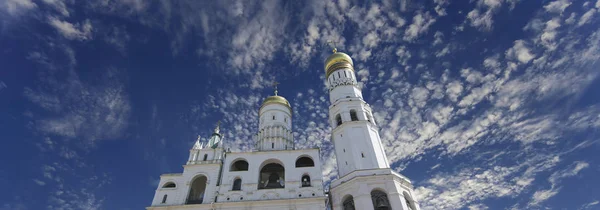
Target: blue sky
x=484 y=104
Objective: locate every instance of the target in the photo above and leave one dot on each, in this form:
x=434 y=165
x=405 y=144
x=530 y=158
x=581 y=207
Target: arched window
x=409 y=203
x=164 y=200
x=169 y=185
x=198 y=187
x=353 y=115
x=338 y=119
x=240 y=165
x=305 y=181
x=271 y=176
x=305 y=162
x=237 y=184
x=273 y=117
x=380 y=200
x=348 y=203
x=205 y=157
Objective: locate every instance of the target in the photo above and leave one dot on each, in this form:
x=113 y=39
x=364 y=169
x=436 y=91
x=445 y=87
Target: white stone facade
x=365 y=181
x=276 y=175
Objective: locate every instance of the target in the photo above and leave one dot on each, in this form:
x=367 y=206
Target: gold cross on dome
x=275 y=86
x=332 y=44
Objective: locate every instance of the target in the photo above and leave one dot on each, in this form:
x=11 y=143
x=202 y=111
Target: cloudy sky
x=484 y=104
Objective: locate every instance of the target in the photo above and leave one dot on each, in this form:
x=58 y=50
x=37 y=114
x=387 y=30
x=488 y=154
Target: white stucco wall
x=249 y=197
x=359 y=185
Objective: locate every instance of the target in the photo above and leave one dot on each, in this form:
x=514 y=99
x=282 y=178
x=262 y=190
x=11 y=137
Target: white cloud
x=590 y=204
x=17 y=7
x=520 y=52
x=481 y=20
x=39 y=182
x=557 y=6
x=555 y=179
x=71 y=31
x=59 y=5
x=420 y=25
x=454 y=90
x=81 y=111
x=585 y=18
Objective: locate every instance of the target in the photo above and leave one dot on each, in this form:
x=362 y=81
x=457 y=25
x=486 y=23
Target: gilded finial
x=332 y=44
x=275 y=86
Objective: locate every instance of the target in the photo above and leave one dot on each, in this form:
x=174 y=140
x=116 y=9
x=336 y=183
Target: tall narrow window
x=362 y=154
x=164 y=199
x=237 y=184
x=345 y=75
x=353 y=115
x=380 y=200
x=205 y=157
x=338 y=119
x=339 y=74
x=272 y=145
x=273 y=117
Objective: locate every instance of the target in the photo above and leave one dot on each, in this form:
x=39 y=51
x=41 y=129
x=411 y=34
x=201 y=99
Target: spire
x=332 y=44
x=216 y=137
x=275 y=86
x=198 y=145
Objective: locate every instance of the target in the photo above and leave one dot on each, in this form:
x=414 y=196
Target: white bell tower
x=365 y=178
x=275 y=124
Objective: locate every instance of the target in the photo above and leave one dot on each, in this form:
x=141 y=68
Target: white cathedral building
x=276 y=175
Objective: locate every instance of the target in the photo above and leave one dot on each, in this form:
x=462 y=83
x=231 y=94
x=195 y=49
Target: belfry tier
x=341 y=81
x=275 y=124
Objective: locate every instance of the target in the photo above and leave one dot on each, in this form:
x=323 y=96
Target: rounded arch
x=237 y=184
x=305 y=180
x=271 y=174
x=338 y=120
x=353 y=115
x=348 y=202
x=304 y=161
x=380 y=199
x=198 y=186
x=410 y=203
x=169 y=184
x=239 y=164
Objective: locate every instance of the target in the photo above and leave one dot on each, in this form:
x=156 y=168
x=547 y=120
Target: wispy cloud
x=76 y=31
x=17 y=7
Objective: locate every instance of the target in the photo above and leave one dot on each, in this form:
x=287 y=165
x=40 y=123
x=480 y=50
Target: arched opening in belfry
x=338 y=119
x=380 y=200
x=239 y=165
x=348 y=203
x=271 y=176
x=205 y=157
x=169 y=185
x=304 y=162
x=197 y=189
x=353 y=115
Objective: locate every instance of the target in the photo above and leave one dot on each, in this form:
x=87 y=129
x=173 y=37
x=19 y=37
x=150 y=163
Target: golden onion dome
x=276 y=100
x=338 y=60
